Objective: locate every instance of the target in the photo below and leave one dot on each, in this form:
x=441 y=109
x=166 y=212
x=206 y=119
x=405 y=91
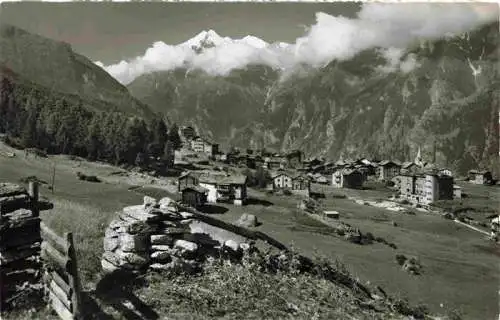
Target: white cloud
x=391 y=27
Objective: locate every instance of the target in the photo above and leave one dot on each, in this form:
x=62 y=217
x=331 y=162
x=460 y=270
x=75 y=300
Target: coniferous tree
x=173 y=136
x=169 y=154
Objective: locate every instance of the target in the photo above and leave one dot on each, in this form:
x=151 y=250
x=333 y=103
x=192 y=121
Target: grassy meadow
x=460 y=267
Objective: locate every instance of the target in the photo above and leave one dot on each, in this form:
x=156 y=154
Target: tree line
x=34 y=118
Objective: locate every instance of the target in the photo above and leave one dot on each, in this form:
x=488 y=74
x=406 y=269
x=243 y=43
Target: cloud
x=389 y=27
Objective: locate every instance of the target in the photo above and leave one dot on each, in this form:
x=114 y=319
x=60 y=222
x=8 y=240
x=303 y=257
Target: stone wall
x=162 y=236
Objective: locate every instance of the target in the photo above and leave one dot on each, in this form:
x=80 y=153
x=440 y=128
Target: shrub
x=339 y=196
x=401 y=258
x=84 y=177
x=287 y=192
x=32 y=179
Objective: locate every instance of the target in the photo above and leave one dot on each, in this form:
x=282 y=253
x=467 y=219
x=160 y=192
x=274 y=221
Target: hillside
x=351 y=108
x=54 y=66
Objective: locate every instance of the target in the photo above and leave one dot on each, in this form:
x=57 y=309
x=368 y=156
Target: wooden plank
x=61 y=283
x=19 y=240
x=17 y=221
x=19 y=277
x=26 y=263
x=73 y=278
x=50 y=254
x=60 y=294
x=12 y=203
x=19 y=254
x=58 y=242
x=8 y=189
x=60 y=308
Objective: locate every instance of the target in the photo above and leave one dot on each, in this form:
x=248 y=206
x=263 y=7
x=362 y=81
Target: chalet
x=347 y=178
x=188 y=179
x=329 y=167
x=187 y=133
x=254 y=162
x=480 y=177
x=319 y=178
x=445 y=172
x=224 y=187
x=388 y=169
x=294 y=159
x=295 y=183
x=202 y=145
x=275 y=162
x=311 y=162
x=426 y=188
x=194 y=196
x=410 y=168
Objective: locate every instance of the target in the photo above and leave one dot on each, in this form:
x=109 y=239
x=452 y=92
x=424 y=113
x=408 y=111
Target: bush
x=401 y=259
x=339 y=196
x=390 y=184
x=32 y=179
x=287 y=192
x=84 y=177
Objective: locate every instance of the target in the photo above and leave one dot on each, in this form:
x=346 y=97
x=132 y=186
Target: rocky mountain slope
x=446 y=103
x=54 y=66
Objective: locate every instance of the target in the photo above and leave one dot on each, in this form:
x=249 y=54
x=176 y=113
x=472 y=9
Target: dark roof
x=388 y=162
x=219 y=177
x=195 y=188
x=195 y=174
x=408 y=164
x=479 y=172
x=292 y=175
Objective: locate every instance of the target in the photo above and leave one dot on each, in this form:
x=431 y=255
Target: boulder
x=162 y=256
x=185 y=245
x=107 y=266
x=165 y=202
x=133 y=242
x=162 y=239
x=131 y=259
x=111 y=243
x=150 y=202
x=233 y=245
x=247 y=220
x=159 y=247
x=186 y=215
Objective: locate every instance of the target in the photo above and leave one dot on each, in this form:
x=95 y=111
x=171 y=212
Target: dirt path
x=471 y=227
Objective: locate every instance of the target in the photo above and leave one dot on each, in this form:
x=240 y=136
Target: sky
x=111 y=32
x=131 y=39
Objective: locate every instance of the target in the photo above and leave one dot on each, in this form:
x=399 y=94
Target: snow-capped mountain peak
x=254 y=42
x=206 y=38
x=210 y=38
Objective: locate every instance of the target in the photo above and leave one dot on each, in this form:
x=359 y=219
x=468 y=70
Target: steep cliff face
x=445 y=102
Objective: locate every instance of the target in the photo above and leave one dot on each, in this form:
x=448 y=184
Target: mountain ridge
x=351 y=108
x=53 y=65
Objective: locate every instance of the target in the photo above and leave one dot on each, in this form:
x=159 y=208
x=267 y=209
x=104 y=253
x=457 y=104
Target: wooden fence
x=20 y=240
x=61 y=282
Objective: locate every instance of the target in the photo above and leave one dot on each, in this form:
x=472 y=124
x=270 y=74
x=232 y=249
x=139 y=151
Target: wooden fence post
x=73 y=278
x=33 y=193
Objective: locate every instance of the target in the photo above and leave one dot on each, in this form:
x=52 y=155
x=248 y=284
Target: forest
x=34 y=117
